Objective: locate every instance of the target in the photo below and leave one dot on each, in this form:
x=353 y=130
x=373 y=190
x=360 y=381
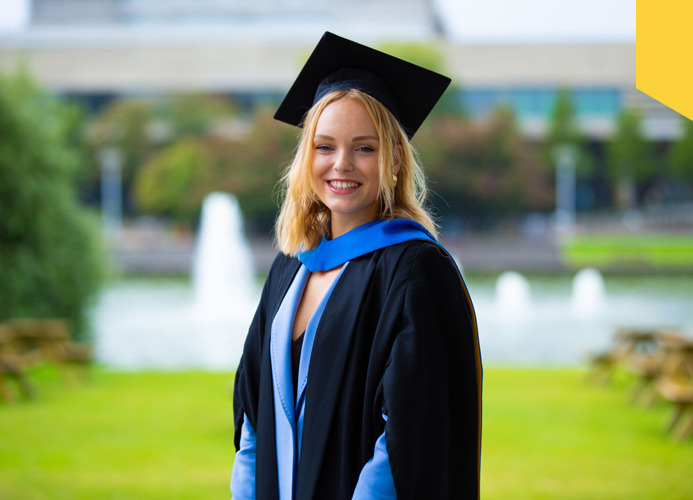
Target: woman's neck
x=340 y=225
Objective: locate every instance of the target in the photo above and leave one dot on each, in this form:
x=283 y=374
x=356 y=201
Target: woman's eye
x=366 y=149
x=323 y=147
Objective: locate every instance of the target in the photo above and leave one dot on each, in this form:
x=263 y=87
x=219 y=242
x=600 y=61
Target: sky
x=490 y=21
x=500 y=21
x=13 y=14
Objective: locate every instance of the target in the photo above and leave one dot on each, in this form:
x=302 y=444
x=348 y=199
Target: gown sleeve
x=375 y=481
x=243 y=474
x=246 y=395
x=432 y=385
x=246 y=383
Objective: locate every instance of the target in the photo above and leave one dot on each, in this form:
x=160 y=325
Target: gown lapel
x=306 y=354
x=268 y=487
x=289 y=415
x=331 y=347
x=280 y=353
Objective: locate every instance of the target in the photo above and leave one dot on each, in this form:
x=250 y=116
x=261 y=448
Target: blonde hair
x=303 y=218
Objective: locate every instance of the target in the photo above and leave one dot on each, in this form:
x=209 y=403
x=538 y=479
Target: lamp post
x=111 y=193
x=565 y=190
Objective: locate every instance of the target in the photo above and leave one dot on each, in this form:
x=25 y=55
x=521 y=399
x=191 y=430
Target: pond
x=145 y=323
x=552 y=333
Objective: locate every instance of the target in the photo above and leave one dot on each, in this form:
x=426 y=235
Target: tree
x=681 y=153
x=126 y=126
x=481 y=171
x=564 y=132
x=629 y=158
x=174 y=182
x=195 y=113
x=163 y=185
x=268 y=149
x=50 y=254
x=140 y=130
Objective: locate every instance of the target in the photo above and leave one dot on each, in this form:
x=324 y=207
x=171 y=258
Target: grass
x=124 y=436
x=648 y=250
x=547 y=435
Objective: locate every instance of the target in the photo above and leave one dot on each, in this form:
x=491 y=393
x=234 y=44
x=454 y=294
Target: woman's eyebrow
x=323 y=136
x=355 y=139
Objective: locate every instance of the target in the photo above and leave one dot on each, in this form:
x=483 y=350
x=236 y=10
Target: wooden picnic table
x=646 y=359
x=628 y=344
x=675 y=384
x=25 y=343
x=12 y=366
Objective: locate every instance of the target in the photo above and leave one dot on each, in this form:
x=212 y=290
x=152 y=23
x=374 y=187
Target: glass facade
x=528 y=102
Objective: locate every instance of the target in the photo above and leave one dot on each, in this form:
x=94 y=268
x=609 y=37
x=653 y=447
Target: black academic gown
x=397 y=336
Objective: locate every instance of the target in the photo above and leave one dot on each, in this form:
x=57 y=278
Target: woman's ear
x=398 y=159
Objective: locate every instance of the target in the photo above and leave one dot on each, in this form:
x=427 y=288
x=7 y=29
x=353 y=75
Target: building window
x=529 y=102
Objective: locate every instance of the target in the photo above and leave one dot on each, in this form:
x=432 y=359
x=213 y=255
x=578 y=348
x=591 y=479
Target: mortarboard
x=407 y=90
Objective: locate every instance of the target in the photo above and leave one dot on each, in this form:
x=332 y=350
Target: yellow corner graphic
x=664 y=52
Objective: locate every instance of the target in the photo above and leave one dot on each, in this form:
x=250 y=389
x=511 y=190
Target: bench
x=12 y=367
x=25 y=343
x=627 y=344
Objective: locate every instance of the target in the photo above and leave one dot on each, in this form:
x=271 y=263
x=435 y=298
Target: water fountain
x=513 y=300
x=588 y=298
x=145 y=325
x=223 y=267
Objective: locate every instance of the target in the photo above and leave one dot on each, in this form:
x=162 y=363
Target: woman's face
x=345 y=164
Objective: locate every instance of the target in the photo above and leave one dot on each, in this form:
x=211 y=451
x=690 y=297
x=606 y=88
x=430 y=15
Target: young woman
x=361 y=373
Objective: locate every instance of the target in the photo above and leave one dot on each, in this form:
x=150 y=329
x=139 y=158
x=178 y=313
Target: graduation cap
x=407 y=90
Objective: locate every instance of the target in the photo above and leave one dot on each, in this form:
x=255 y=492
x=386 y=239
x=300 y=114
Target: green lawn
x=547 y=435
x=647 y=250
x=124 y=436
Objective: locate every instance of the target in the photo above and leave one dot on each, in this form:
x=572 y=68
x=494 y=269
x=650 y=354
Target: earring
x=394 y=179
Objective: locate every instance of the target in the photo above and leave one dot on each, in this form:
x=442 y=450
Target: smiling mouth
x=343 y=185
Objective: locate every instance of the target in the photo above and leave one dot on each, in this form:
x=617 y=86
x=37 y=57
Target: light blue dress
x=375 y=481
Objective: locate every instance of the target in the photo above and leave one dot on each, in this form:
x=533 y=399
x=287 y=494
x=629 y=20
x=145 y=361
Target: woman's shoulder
x=416 y=261
x=420 y=254
x=281 y=260
x=282 y=266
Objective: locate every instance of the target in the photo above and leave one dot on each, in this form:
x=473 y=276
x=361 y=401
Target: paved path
x=476 y=254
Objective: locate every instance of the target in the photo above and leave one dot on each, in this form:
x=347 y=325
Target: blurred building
x=99 y=50
x=280 y=19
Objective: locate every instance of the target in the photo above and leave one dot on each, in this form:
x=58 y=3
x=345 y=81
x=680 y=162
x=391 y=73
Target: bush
x=174 y=182
x=165 y=184
x=51 y=261
x=481 y=170
x=681 y=153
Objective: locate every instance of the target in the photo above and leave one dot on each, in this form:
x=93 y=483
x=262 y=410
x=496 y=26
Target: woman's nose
x=343 y=162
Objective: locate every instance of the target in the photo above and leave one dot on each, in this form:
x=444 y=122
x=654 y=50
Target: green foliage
x=681 y=153
x=124 y=125
x=195 y=114
x=564 y=132
x=629 y=155
x=563 y=128
x=269 y=148
x=139 y=129
x=50 y=253
x=175 y=181
x=481 y=169
x=164 y=183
